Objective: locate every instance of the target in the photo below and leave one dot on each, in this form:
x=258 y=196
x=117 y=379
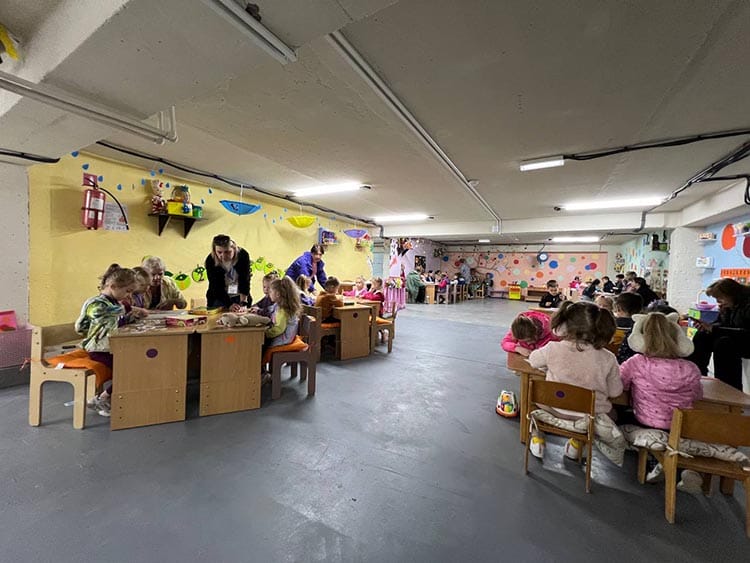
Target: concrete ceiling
x=494 y=83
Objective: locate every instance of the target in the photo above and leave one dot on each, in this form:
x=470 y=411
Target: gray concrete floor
x=398 y=457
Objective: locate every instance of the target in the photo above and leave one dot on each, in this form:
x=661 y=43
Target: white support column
x=14 y=240
x=685 y=280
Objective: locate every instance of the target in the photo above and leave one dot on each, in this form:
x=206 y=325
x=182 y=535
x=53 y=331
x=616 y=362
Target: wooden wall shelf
x=164 y=219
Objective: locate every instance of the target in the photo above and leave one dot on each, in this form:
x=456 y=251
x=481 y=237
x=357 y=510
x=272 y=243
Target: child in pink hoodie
x=659 y=379
x=529 y=331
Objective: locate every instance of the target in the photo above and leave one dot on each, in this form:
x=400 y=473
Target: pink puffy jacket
x=509 y=343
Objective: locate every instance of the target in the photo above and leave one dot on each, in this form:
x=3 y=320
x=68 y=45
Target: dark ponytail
x=118 y=276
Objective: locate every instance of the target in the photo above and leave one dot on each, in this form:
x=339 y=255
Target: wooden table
x=429 y=293
x=149 y=376
x=355 y=330
x=535 y=294
x=374 y=313
x=717 y=395
x=230 y=368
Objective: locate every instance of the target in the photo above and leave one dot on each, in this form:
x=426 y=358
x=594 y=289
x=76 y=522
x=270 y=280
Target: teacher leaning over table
x=163 y=293
x=311 y=265
x=228 y=271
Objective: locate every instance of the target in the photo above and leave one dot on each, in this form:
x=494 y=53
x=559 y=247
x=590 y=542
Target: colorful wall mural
x=523 y=268
x=731 y=249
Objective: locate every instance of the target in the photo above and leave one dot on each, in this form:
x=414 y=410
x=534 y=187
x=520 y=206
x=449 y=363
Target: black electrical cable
x=657 y=144
x=206 y=174
x=29 y=156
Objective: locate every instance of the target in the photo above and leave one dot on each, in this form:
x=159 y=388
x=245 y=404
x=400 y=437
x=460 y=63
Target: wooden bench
x=82 y=380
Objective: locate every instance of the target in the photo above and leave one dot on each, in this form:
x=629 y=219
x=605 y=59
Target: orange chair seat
x=382 y=321
x=80 y=359
x=330 y=325
x=296 y=345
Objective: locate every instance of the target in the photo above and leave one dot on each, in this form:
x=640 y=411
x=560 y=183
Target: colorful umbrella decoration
x=301 y=221
x=239 y=207
x=355 y=233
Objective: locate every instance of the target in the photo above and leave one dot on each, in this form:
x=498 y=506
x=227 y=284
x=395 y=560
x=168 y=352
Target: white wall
x=685 y=280
x=14 y=240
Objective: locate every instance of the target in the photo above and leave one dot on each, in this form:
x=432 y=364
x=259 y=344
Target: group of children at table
x=127 y=294
x=571 y=347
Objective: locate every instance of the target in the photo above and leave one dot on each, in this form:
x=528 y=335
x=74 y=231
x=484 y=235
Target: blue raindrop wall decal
x=74 y=153
x=85 y=166
x=161 y=171
x=210 y=191
x=119 y=187
x=100 y=178
x=152 y=172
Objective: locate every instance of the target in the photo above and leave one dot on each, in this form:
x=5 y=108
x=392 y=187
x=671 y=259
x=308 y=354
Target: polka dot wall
x=523 y=268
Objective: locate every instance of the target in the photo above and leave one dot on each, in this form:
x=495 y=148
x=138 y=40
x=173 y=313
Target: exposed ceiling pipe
x=67 y=102
x=378 y=85
x=253 y=30
x=705 y=175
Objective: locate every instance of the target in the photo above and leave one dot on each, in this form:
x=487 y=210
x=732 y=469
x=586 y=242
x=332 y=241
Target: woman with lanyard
x=228 y=271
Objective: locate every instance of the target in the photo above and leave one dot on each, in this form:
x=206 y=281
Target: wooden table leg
x=524 y=407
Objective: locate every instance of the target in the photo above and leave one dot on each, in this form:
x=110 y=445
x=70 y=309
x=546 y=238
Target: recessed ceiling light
x=536 y=164
x=575 y=239
x=332 y=189
x=405 y=217
x=483 y=240
x=648 y=201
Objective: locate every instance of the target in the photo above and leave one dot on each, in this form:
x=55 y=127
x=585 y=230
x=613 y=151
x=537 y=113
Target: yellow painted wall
x=66 y=259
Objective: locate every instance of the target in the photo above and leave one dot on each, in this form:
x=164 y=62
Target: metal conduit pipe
x=66 y=102
x=363 y=68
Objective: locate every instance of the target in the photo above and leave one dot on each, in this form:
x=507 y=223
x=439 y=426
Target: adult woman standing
x=163 y=293
x=641 y=287
x=310 y=264
x=228 y=272
x=728 y=339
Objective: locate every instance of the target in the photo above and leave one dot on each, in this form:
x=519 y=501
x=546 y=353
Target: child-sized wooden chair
x=387 y=324
x=324 y=329
x=83 y=380
x=562 y=396
x=306 y=358
x=714 y=428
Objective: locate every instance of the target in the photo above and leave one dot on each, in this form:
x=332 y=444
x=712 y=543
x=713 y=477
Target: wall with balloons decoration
x=523 y=268
x=730 y=250
x=66 y=258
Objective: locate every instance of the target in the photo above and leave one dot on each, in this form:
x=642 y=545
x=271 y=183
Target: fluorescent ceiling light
x=576 y=239
x=536 y=164
x=648 y=201
x=483 y=240
x=253 y=29
x=405 y=217
x=321 y=190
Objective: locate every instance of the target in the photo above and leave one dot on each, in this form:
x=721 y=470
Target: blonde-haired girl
x=100 y=316
x=284 y=312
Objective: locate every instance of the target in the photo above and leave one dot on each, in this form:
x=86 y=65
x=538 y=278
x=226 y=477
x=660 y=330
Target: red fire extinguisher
x=92 y=212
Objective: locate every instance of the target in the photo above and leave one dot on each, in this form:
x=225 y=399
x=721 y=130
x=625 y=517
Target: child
x=284 y=313
x=607 y=285
x=100 y=316
x=529 y=331
x=359 y=288
x=589 y=292
x=328 y=299
x=576 y=283
x=263 y=307
x=553 y=297
x=442 y=287
x=376 y=293
x=581 y=359
x=137 y=300
x=619 y=284
x=303 y=284
x=659 y=379
x=604 y=302
x=627 y=304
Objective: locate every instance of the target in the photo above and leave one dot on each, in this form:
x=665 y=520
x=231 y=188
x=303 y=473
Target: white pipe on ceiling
x=253 y=29
x=378 y=85
x=69 y=103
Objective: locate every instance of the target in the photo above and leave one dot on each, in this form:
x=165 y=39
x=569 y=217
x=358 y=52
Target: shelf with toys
x=326 y=237
x=178 y=206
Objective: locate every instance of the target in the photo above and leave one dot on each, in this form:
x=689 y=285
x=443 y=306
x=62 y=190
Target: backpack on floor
x=507 y=404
